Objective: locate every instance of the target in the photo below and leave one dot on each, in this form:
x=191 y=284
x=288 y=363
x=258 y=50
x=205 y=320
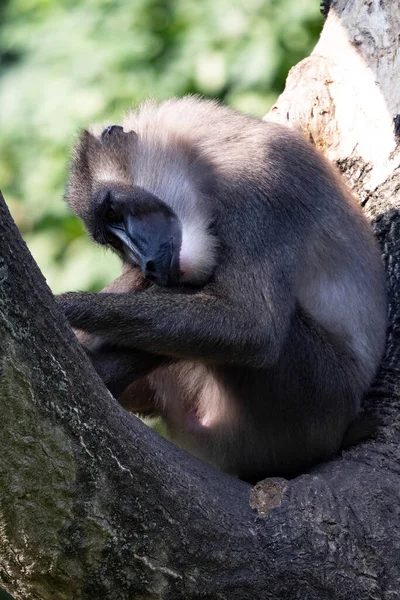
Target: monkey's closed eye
x=112 y=215
x=107 y=209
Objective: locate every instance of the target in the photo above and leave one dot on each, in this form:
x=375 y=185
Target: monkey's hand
x=119 y=368
x=124 y=374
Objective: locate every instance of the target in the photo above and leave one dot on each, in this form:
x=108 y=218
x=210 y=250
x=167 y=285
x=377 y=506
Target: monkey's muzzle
x=152 y=241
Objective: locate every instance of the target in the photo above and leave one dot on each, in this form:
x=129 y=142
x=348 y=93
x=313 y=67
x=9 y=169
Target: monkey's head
x=141 y=200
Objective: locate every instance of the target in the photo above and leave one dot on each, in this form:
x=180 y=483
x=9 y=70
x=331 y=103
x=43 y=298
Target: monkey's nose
x=157 y=270
x=161 y=270
x=150 y=270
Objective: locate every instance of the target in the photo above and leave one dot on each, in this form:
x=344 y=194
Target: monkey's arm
x=119 y=367
x=248 y=330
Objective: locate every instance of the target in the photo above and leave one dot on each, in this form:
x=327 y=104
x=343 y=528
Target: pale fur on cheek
x=198 y=253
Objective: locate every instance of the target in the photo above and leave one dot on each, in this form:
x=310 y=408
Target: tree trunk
x=93 y=504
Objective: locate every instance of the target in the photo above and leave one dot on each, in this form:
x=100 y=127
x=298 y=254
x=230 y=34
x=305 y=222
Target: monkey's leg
x=283 y=419
x=301 y=408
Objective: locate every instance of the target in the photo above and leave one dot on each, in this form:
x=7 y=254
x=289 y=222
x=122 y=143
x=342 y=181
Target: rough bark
x=94 y=505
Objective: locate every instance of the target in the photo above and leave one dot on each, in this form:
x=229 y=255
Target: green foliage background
x=66 y=63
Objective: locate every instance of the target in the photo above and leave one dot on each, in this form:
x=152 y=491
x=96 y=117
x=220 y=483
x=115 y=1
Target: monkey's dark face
x=139 y=199
x=142 y=229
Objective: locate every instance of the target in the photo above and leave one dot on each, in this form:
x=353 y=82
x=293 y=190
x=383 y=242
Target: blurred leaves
x=66 y=63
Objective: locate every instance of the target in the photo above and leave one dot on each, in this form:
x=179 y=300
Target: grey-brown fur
x=263 y=365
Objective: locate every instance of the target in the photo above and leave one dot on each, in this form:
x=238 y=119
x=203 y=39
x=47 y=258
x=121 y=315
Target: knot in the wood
x=307 y=104
x=268 y=494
